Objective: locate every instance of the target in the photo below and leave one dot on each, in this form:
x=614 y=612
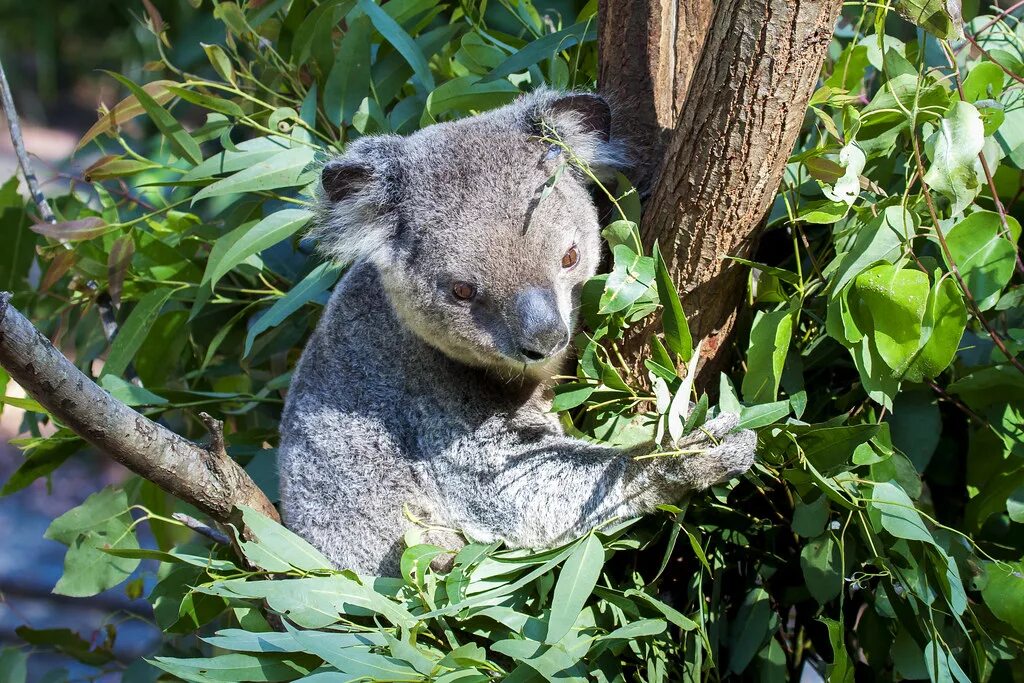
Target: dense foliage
x=881 y=531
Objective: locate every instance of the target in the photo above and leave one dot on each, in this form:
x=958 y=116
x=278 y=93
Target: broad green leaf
x=769 y=344
x=245 y=154
x=1004 y=592
x=275 y=548
x=179 y=139
x=290 y=168
x=629 y=280
x=941 y=18
x=892 y=304
x=319 y=280
x=19 y=241
x=217 y=104
x=400 y=40
x=467 y=94
x=128 y=393
x=897 y=513
x=673 y=320
x=955 y=168
x=983 y=255
x=945 y=318
x=349 y=80
x=274 y=228
x=13 y=665
x=42 y=458
x=822 y=569
x=752 y=627
x=543 y=48
x=823 y=212
x=133 y=332
x=880 y=240
x=576 y=582
x=235 y=667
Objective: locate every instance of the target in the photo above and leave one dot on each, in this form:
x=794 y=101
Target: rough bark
x=205 y=477
x=648 y=50
x=724 y=160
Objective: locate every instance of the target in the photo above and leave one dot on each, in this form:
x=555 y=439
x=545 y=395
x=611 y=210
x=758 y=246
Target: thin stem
x=14 y=125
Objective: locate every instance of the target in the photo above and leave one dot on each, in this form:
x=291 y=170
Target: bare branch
x=202 y=529
x=14 y=126
x=207 y=478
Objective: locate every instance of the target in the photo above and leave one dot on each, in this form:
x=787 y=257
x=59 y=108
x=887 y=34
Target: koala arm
x=534 y=491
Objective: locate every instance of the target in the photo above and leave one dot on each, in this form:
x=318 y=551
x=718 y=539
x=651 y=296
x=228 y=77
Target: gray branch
x=205 y=477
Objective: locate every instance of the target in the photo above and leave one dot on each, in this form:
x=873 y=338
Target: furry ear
x=342 y=177
x=591 y=112
x=583 y=121
x=359 y=190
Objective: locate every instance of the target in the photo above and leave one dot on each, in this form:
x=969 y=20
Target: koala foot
x=724 y=453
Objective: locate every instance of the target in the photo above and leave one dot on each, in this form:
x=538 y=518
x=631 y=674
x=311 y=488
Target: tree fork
x=205 y=477
x=724 y=160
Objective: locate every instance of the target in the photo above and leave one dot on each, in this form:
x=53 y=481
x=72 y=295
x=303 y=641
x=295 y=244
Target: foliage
x=880 y=531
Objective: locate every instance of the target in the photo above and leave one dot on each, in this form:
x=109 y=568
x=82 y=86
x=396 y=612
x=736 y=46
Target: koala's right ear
x=341 y=178
x=359 y=191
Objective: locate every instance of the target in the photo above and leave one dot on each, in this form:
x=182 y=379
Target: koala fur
x=411 y=397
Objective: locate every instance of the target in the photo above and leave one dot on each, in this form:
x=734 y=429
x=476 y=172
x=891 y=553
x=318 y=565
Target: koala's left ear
x=583 y=121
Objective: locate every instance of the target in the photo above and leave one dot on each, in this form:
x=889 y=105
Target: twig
x=14 y=126
x=216 y=429
x=203 y=529
x=992 y=22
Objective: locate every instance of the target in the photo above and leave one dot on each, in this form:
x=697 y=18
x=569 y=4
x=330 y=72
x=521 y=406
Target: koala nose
x=542 y=332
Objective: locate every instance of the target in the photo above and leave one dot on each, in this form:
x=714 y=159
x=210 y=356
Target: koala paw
x=724 y=453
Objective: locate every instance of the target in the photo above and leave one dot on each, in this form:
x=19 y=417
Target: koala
x=421 y=394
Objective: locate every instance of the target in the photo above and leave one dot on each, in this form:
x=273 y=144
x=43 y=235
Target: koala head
x=483 y=230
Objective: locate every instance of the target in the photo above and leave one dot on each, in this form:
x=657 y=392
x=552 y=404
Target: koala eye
x=463 y=291
x=571 y=257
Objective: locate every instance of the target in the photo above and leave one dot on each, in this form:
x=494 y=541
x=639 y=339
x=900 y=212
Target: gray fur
x=408 y=398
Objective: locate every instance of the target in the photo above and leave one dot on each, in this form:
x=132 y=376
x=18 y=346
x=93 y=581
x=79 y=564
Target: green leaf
x=673 y=320
x=955 y=167
x=629 y=280
x=42 y=458
x=822 y=568
x=246 y=154
x=134 y=330
x=822 y=212
x=128 y=393
x=769 y=344
x=1004 y=592
x=984 y=256
x=897 y=513
x=275 y=548
x=941 y=18
x=544 y=48
x=575 y=583
x=751 y=628
x=181 y=142
x=19 y=241
x=68 y=642
x=289 y=168
x=466 y=94
x=274 y=228
x=349 y=80
x=319 y=280
x=400 y=40
x=102 y=521
x=13 y=665
x=945 y=319
x=231 y=668
x=892 y=304
x=571 y=395
x=880 y=240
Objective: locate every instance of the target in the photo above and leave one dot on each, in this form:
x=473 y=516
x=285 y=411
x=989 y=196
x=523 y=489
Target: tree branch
x=205 y=477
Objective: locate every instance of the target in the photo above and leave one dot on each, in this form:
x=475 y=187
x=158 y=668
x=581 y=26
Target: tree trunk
x=648 y=50
x=723 y=162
